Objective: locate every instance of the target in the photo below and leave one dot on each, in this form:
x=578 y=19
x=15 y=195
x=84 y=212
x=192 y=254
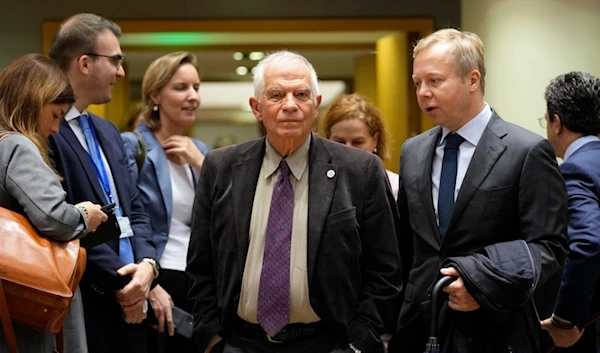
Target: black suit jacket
x=512 y=190
x=353 y=262
x=100 y=279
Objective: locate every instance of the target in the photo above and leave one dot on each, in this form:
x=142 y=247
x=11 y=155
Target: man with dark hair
x=88 y=152
x=572 y=124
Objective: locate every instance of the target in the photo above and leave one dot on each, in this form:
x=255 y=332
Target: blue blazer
x=81 y=184
x=582 y=267
x=154 y=181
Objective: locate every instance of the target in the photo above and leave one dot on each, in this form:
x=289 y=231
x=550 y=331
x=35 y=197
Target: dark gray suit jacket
x=353 y=261
x=512 y=190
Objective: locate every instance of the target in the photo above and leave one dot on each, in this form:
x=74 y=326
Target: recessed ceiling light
x=238 y=56
x=256 y=55
x=241 y=70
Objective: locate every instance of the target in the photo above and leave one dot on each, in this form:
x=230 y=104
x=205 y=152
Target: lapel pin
x=330 y=173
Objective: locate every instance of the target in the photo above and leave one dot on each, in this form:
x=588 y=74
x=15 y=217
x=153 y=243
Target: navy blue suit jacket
x=154 y=181
x=582 y=267
x=81 y=184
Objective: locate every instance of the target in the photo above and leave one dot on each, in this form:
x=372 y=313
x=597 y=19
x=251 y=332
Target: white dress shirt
x=471 y=132
x=577 y=144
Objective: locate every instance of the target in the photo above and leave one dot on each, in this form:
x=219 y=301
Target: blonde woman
x=167 y=180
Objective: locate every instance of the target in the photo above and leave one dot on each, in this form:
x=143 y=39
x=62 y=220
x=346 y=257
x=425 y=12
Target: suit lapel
x=487 y=152
x=427 y=148
x=244 y=175
x=84 y=158
x=157 y=157
x=113 y=158
x=320 y=194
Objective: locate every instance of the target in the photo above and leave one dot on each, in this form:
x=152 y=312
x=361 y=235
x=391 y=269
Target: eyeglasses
x=542 y=122
x=116 y=59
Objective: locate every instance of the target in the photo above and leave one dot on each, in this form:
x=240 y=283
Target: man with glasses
x=572 y=123
x=88 y=154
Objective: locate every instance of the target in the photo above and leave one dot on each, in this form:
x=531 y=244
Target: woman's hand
x=95 y=216
x=183 y=147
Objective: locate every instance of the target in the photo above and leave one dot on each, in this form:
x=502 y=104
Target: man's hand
x=458 y=297
x=161 y=303
x=134 y=314
x=142 y=275
x=562 y=337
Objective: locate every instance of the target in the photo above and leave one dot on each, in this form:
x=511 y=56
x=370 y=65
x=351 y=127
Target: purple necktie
x=273 y=311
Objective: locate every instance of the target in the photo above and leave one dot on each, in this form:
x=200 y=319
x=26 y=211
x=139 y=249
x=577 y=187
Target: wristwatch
x=154 y=263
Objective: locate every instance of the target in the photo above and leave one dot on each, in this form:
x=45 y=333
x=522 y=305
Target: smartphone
x=108 y=208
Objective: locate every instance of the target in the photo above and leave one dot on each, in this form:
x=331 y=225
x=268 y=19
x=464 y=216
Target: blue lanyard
x=99 y=167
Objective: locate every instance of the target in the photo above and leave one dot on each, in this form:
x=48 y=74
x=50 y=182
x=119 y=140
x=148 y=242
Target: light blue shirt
x=471 y=132
x=577 y=144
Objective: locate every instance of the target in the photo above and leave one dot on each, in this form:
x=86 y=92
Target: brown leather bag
x=38 y=277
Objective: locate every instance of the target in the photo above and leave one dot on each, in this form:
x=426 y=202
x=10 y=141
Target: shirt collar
x=577 y=144
x=297 y=161
x=473 y=130
x=73 y=113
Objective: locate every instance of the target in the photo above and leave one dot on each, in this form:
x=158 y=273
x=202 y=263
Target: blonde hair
x=355 y=106
x=467 y=50
x=26 y=85
x=156 y=77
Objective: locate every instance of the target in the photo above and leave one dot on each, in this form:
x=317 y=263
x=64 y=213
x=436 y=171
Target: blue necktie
x=125 y=249
x=448 y=181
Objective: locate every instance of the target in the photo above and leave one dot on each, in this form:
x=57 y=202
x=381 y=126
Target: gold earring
x=155 y=107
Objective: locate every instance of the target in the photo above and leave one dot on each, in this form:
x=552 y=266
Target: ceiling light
x=238 y=56
x=241 y=70
x=256 y=55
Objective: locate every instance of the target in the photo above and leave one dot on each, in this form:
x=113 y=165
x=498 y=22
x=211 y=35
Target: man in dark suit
x=473 y=181
x=293 y=245
x=88 y=153
x=572 y=123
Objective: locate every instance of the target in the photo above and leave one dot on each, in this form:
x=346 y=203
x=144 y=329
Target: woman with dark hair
x=34 y=96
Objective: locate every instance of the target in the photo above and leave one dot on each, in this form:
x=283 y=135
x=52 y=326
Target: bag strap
x=7 y=327
x=60 y=341
x=140 y=153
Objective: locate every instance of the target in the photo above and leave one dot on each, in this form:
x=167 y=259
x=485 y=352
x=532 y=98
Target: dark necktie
x=448 y=181
x=273 y=310
x=125 y=248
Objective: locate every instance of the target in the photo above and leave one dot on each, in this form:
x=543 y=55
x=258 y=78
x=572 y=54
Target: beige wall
x=527 y=43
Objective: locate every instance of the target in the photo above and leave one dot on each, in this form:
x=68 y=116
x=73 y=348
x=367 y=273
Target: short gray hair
x=279 y=58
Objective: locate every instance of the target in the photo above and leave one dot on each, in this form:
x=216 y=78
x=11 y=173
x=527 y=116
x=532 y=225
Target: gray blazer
x=28 y=186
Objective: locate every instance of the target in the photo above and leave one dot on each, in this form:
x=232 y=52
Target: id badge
x=125 y=226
